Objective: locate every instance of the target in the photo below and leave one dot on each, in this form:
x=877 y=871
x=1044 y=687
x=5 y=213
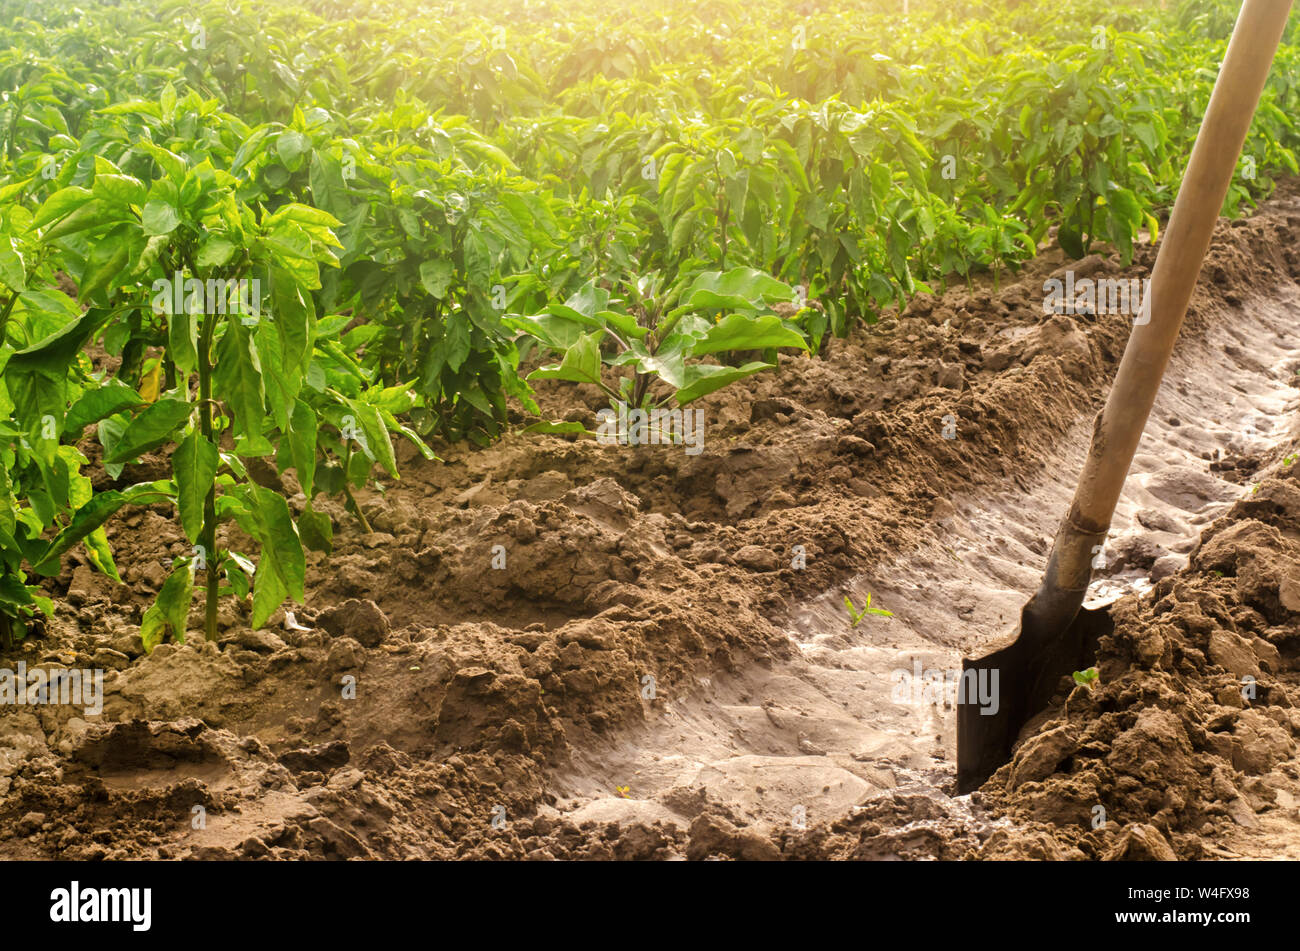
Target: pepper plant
x=664 y=336
x=227 y=287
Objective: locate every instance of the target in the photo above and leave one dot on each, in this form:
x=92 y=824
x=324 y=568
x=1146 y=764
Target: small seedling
x=1087 y=678
x=624 y=791
x=1288 y=460
x=857 y=615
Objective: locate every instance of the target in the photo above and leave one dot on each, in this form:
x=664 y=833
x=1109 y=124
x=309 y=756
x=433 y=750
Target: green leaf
x=62 y=203
x=106 y=261
x=101 y=554
x=37 y=377
x=378 y=443
x=13 y=591
x=684 y=189
x=703 y=379
x=316 y=530
x=9 y=191
x=170 y=610
x=290 y=248
x=94 y=514
x=737 y=188
x=291 y=146
x=95 y=404
x=581 y=362
x=436 y=276
x=282 y=566
x=168 y=101
x=216 y=251
x=153 y=249
x=89 y=215
x=160 y=217
x=584 y=303
x=183 y=338
x=194 y=463
x=740 y=332
x=13 y=272
x=668 y=361
x=151 y=429
x=303 y=433
x=108 y=432
x=683 y=228
x=741 y=287
x=1070 y=237
x=548 y=427
x=458 y=340
x=237 y=374
x=295 y=324
x=119 y=189
x=557 y=333
x=1126 y=207
x=239 y=572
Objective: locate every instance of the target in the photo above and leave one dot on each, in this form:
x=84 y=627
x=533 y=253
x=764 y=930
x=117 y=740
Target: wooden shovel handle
x=1119 y=427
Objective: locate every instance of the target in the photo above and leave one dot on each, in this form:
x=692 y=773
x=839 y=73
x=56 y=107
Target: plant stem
x=4 y=315
x=208 y=536
x=724 y=211
x=352 y=499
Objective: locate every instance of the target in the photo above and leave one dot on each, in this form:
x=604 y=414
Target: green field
x=288 y=235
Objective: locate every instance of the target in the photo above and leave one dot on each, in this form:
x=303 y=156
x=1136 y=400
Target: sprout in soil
x=857 y=615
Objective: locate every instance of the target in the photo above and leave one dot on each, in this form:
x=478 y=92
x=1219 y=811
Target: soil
x=550 y=648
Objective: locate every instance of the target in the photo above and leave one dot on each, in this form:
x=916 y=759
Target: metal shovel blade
x=1001 y=691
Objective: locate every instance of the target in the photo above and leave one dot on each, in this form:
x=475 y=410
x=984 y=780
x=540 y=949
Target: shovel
x=1001 y=691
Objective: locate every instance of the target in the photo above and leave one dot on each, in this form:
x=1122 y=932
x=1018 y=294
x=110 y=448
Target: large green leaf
x=61 y=204
x=90 y=215
x=216 y=251
x=37 y=376
x=160 y=217
x=151 y=429
x=581 y=362
x=170 y=610
x=237 y=375
x=106 y=261
x=194 y=463
x=101 y=401
x=703 y=379
x=282 y=566
x=303 y=432
x=316 y=530
x=378 y=442
x=741 y=287
x=94 y=514
x=13 y=272
x=295 y=324
x=741 y=332
x=119 y=189
x=436 y=276
x=557 y=333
